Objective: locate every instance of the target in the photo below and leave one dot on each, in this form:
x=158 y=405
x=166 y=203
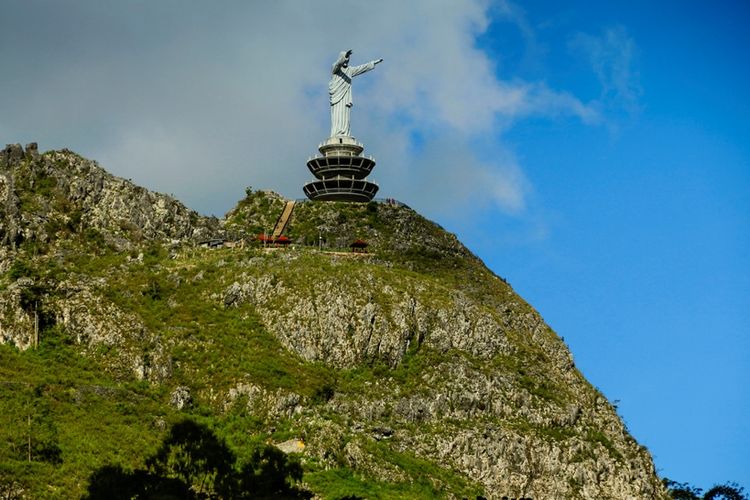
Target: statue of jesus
x=340 y=91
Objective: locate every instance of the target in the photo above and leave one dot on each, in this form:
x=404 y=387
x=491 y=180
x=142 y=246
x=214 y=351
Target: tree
x=10 y=487
x=270 y=474
x=683 y=491
x=193 y=463
x=192 y=453
x=111 y=482
x=33 y=436
x=729 y=491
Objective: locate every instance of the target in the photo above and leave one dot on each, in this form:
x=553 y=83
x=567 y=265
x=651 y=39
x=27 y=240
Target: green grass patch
x=342 y=483
x=62 y=401
x=548 y=433
x=597 y=436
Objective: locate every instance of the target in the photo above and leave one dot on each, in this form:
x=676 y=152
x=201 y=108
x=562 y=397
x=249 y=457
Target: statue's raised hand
x=379 y=61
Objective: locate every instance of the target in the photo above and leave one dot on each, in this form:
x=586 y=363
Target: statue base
x=341 y=172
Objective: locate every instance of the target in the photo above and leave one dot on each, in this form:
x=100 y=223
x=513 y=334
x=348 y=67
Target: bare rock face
x=47 y=197
x=104 y=329
x=17 y=321
x=339 y=324
x=89 y=320
x=10 y=222
x=275 y=405
x=12 y=154
x=559 y=440
x=181 y=398
x=546 y=457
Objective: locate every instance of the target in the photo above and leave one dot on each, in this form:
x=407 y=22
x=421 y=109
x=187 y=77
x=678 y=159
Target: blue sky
x=642 y=264
x=595 y=154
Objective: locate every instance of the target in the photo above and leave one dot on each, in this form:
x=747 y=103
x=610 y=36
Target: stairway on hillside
x=283 y=219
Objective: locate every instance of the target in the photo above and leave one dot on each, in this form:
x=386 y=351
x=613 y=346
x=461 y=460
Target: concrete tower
x=342 y=171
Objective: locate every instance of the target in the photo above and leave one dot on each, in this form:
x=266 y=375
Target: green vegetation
x=596 y=436
x=193 y=463
x=548 y=433
x=74 y=418
x=425 y=479
x=256 y=213
x=91 y=409
x=84 y=413
x=684 y=491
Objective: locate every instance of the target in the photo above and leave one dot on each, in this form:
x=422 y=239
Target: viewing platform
x=341 y=172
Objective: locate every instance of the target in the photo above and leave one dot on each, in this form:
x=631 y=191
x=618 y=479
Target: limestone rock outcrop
x=46 y=197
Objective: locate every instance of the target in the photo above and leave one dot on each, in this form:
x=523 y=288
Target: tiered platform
x=341 y=172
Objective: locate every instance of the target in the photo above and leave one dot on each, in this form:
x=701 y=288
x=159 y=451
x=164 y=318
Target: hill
x=411 y=371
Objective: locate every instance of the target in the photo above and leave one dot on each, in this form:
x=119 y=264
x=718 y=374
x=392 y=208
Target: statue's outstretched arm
x=362 y=68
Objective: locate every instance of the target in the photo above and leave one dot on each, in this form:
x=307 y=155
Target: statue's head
x=346 y=55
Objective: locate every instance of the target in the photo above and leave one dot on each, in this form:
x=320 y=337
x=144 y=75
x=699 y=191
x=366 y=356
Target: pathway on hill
x=283 y=219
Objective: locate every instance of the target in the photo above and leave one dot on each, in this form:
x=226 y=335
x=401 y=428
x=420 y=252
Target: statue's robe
x=340 y=92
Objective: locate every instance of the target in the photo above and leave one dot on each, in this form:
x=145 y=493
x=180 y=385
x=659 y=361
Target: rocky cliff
x=47 y=197
x=410 y=371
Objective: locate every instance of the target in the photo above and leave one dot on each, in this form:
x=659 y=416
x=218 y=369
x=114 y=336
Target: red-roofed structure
x=359 y=246
x=270 y=240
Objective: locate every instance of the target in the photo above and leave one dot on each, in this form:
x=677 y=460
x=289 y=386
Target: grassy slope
x=98 y=415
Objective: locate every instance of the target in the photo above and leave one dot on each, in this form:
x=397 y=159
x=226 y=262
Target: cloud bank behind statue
x=198 y=101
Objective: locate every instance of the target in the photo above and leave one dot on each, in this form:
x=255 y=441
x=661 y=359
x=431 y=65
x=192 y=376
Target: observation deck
x=341 y=172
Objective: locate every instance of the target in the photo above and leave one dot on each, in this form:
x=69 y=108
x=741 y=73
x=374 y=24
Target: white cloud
x=200 y=100
x=612 y=56
x=449 y=180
